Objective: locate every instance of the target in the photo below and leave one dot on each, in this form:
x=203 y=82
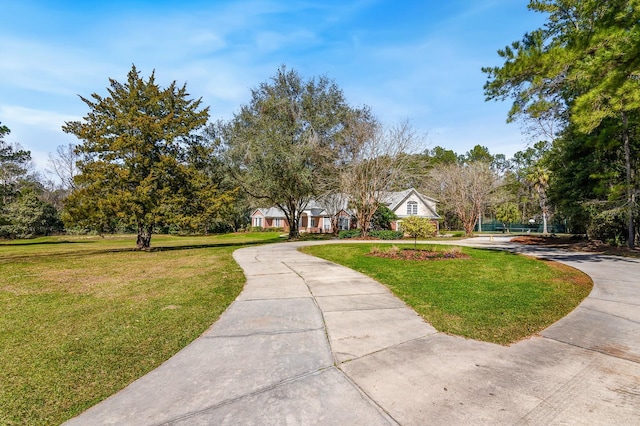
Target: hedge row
x=351 y=233
x=387 y=235
x=382 y=235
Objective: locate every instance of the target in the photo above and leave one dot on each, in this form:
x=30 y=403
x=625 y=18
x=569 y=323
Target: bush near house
x=387 y=235
x=351 y=233
x=280 y=230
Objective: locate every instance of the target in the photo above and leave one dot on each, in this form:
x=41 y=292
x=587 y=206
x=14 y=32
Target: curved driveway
x=311 y=342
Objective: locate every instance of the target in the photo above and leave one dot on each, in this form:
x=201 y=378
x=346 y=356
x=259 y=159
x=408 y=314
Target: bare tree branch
x=62 y=165
x=379 y=162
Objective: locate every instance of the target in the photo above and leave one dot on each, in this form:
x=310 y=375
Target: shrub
x=387 y=235
x=77 y=230
x=609 y=226
x=418 y=227
x=382 y=218
x=314 y=237
x=280 y=229
x=351 y=233
x=453 y=252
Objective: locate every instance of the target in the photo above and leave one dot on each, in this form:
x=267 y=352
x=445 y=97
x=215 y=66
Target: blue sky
x=408 y=60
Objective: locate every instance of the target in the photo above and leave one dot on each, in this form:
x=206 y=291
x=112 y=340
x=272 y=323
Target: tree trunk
x=629 y=182
x=294 y=232
x=293 y=218
x=367 y=217
x=335 y=224
x=144 y=237
x=469 y=224
x=361 y=220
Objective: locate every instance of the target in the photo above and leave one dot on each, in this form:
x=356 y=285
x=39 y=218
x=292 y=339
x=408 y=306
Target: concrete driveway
x=311 y=342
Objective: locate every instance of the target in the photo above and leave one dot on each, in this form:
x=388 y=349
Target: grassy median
x=82 y=317
x=492 y=296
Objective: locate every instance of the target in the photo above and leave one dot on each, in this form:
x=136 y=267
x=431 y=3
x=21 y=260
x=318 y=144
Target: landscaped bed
x=494 y=296
x=397 y=253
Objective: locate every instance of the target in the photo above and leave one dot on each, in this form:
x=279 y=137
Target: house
x=272 y=217
x=411 y=203
x=316 y=219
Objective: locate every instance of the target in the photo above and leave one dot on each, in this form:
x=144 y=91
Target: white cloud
x=429 y=73
x=271 y=41
x=38 y=131
x=206 y=38
x=45 y=120
x=49 y=68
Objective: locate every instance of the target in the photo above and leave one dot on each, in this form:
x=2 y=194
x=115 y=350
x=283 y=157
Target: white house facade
x=412 y=203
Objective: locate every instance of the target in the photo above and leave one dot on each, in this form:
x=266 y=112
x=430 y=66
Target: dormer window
x=412 y=208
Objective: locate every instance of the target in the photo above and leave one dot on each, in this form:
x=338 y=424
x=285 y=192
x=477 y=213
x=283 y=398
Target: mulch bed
x=411 y=254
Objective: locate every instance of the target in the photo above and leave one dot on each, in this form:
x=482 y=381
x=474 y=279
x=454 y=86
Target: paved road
x=311 y=342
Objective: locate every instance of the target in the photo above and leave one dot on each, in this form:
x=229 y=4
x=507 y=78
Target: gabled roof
x=315 y=205
x=396 y=199
x=275 y=212
x=318 y=212
x=272 y=212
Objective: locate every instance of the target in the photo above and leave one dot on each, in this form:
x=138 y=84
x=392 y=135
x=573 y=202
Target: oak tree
x=282 y=147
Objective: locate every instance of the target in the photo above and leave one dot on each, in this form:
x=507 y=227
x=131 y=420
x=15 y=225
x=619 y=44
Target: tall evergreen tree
x=134 y=164
x=581 y=68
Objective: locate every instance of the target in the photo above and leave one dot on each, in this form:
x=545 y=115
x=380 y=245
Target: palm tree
x=539 y=178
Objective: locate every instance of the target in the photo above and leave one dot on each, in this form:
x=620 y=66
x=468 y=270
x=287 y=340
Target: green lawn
x=84 y=316
x=492 y=296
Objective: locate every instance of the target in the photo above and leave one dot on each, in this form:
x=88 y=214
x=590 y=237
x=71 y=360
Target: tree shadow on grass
x=80 y=253
x=561 y=255
x=209 y=245
x=9 y=243
x=558 y=254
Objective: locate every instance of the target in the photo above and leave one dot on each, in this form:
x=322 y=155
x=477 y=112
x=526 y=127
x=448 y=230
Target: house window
x=343 y=223
x=313 y=222
x=327 y=224
x=412 y=208
x=276 y=222
x=257 y=221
